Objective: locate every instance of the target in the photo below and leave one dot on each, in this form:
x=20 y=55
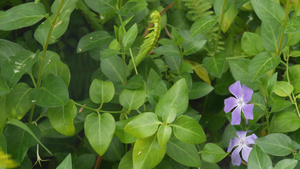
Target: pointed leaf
x=199 y=89
x=286 y=164
x=66 y=164
x=268 y=11
x=168 y=50
x=294 y=74
x=130 y=36
x=101 y=6
x=213 y=153
x=271 y=37
x=203 y=24
x=101 y=91
x=113 y=68
x=133 y=99
x=164 y=134
x=215 y=65
x=93 y=40
x=258 y=159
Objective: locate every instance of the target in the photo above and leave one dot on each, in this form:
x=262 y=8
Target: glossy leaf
x=93 y=40
x=133 y=99
x=18 y=101
x=113 y=69
x=101 y=6
x=271 y=36
x=61 y=118
x=67 y=163
x=215 y=65
x=294 y=74
x=52 y=93
x=199 y=89
x=261 y=64
x=164 y=134
x=147 y=153
x=186 y=154
x=21 y=16
x=258 y=159
x=283 y=88
x=251 y=43
x=276 y=144
x=188 y=130
x=203 y=24
x=268 y=11
x=101 y=91
x=143 y=125
x=286 y=164
x=14 y=67
x=285 y=122
x=176 y=97
x=213 y=153
x=99 y=130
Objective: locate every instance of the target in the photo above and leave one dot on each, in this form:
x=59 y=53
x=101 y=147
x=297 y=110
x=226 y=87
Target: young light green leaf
x=66 y=164
x=183 y=153
x=143 y=125
x=147 y=153
x=52 y=93
x=18 y=101
x=213 y=153
x=99 y=130
x=101 y=6
x=261 y=64
x=268 y=11
x=133 y=99
x=215 y=65
x=293 y=25
x=21 y=16
x=251 y=43
x=14 y=67
x=101 y=91
x=283 y=88
x=121 y=134
x=271 y=37
x=164 y=134
x=169 y=115
x=199 y=89
x=203 y=24
x=57 y=68
x=61 y=118
x=294 y=74
x=276 y=144
x=130 y=36
x=258 y=159
x=285 y=122
x=176 y=97
x=286 y=164
x=188 y=130
x=93 y=40
x=113 y=68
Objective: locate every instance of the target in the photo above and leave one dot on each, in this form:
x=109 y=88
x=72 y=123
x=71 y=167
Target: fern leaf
x=198 y=8
x=149 y=42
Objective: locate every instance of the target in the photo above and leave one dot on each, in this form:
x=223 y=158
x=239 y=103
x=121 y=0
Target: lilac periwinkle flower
x=242 y=96
x=243 y=144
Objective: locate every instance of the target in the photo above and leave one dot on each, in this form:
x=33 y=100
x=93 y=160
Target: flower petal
x=230 y=103
x=246 y=152
x=233 y=142
x=250 y=139
x=236 y=116
x=235 y=157
x=248 y=111
x=247 y=94
x=236 y=90
x=242 y=134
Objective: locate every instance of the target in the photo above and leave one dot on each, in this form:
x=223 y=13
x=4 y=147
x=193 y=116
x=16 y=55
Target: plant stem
x=268 y=123
x=98 y=162
x=136 y=72
x=86 y=107
x=219 y=32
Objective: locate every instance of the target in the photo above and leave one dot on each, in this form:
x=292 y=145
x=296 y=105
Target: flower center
x=240 y=102
x=242 y=142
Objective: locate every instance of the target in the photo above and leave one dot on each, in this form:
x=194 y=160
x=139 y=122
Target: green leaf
x=294 y=74
x=99 y=130
x=278 y=103
x=84 y=161
x=169 y=115
x=186 y=154
x=67 y=163
x=251 y=43
x=215 y=65
x=174 y=62
x=115 y=151
x=293 y=25
x=61 y=118
x=132 y=6
x=8 y=49
x=130 y=36
x=93 y=40
x=52 y=93
x=121 y=134
x=261 y=64
x=156 y=88
x=258 y=159
x=133 y=99
x=3 y=114
x=286 y=164
x=239 y=71
x=271 y=36
x=101 y=91
x=203 y=24
x=192 y=46
x=143 y=125
x=147 y=153
x=271 y=84
x=57 y=68
x=21 y=16
x=268 y=11
x=164 y=134
x=283 y=88
x=199 y=89
x=213 y=153
x=26 y=128
x=15 y=66
x=136 y=82
x=176 y=97
x=285 y=122
x=65 y=6
x=106 y=53
x=167 y=50
x=276 y=144
x=18 y=101
x=101 y=6
x=145 y=67
x=188 y=130
x=49 y=58
x=113 y=68
x=126 y=161
x=218 y=4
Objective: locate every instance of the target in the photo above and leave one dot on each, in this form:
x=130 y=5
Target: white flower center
x=242 y=142
x=240 y=102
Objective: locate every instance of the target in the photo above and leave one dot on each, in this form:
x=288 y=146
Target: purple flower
x=242 y=96
x=243 y=144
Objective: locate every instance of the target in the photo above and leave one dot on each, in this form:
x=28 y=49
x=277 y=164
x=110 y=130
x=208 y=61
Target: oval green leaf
x=283 y=88
x=164 y=134
x=285 y=122
x=133 y=99
x=258 y=159
x=213 y=153
x=101 y=91
x=93 y=40
x=215 y=65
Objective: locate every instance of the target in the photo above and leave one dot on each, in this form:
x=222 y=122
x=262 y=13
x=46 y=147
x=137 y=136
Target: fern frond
x=198 y=8
x=212 y=35
x=149 y=42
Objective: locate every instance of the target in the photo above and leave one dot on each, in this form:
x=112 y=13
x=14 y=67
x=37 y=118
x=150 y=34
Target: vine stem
x=98 y=162
x=39 y=80
x=284 y=25
x=219 y=32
